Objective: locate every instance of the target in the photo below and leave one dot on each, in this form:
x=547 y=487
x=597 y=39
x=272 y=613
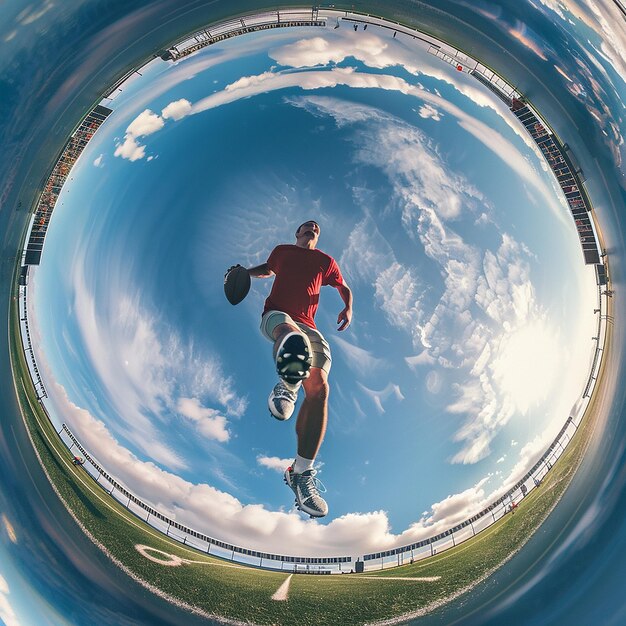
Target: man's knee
x=283 y=329
x=316 y=385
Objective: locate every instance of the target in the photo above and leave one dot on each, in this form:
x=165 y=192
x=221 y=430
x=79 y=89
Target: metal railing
x=204 y=542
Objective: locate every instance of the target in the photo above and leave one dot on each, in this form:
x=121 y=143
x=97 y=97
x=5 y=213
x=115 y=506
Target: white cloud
x=210 y=423
x=398 y=291
x=434 y=382
x=186 y=69
x=423 y=358
x=176 y=110
x=146 y=370
x=605 y=18
x=220 y=514
x=251 y=82
x=525 y=37
x=452 y=334
x=366 y=47
x=403 y=152
x=366 y=252
x=528 y=456
x=248 y=86
x=274 y=463
x=379 y=53
x=360 y=360
x=428 y=111
x=458 y=507
x=98 y=161
x=32 y=13
x=8 y=527
x=130 y=149
x=554 y=5
x=368 y=258
x=487 y=317
x=7 y=613
x=146 y=123
x=610 y=26
x=224 y=517
x=391 y=391
x=429 y=195
x=509 y=378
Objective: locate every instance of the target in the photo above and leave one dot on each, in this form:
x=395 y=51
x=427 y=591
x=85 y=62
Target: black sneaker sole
x=293 y=360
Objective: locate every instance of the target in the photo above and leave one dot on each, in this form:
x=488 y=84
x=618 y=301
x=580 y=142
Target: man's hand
x=344 y=318
x=232 y=267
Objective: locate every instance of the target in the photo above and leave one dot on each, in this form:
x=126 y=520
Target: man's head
x=307 y=234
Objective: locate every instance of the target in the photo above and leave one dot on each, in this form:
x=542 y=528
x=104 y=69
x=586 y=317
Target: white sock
x=302 y=465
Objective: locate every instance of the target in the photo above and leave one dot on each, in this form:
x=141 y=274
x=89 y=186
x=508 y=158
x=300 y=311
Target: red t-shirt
x=300 y=274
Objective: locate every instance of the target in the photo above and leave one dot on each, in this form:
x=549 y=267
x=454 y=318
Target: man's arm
x=345 y=317
x=260 y=271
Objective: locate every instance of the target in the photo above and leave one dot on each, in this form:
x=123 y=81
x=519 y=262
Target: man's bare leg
x=313 y=414
x=310 y=429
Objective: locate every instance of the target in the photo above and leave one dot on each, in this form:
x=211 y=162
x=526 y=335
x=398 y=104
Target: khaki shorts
x=319 y=345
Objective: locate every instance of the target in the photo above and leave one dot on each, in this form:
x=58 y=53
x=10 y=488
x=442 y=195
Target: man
x=301 y=354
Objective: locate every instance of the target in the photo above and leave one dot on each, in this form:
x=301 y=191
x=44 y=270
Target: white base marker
x=283 y=590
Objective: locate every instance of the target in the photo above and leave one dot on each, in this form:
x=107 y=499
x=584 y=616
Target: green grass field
x=244 y=594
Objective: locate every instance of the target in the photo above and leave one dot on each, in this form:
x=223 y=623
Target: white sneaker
x=307 y=489
x=282 y=401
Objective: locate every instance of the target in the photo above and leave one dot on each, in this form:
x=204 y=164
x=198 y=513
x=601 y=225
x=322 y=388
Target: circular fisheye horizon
x=478 y=366
x=448 y=370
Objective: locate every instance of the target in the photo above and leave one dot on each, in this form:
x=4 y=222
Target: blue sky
x=20 y=603
x=473 y=310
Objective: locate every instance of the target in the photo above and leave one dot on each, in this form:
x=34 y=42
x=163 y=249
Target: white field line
x=283 y=590
x=171 y=560
x=281 y=594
